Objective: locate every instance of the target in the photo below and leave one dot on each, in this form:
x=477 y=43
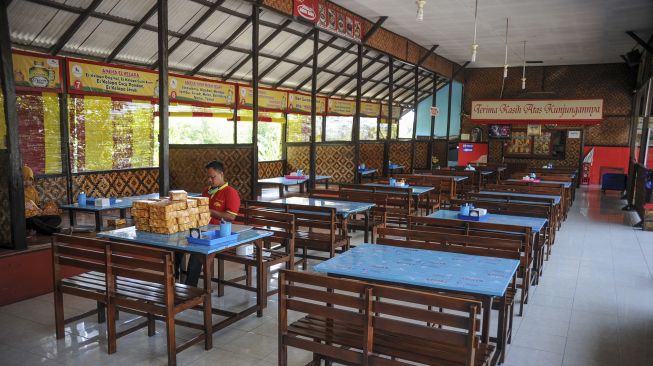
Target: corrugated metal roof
x=127 y=9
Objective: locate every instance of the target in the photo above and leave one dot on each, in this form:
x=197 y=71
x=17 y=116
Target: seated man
x=224 y=204
x=43 y=222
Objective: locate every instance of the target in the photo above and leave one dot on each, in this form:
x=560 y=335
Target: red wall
x=616 y=157
x=479 y=150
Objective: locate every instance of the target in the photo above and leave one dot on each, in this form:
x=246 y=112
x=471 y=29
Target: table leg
x=208 y=306
x=502 y=328
x=71 y=217
x=123 y=213
x=301 y=188
x=98 y=221
x=261 y=283
x=428 y=203
x=280 y=191
x=487 y=316
x=367 y=226
x=326 y=183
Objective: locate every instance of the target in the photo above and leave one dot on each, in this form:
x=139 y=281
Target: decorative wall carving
x=298 y=157
x=372 y=155
x=336 y=161
x=270 y=169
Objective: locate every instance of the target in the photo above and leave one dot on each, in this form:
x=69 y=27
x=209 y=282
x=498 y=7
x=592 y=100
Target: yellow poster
x=342 y=107
x=87 y=77
x=301 y=103
x=267 y=98
x=370 y=109
x=186 y=89
x=33 y=71
x=396 y=111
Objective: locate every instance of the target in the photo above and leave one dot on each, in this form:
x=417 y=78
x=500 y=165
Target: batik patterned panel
x=121 y=183
x=187 y=168
x=298 y=157
x=440 y=152
x=270 y=169
x=372 y=155
x=336 y=161
x=495 y=151
x=421 y=155
x=400 y=153
x=5 y=216
x=52 y=188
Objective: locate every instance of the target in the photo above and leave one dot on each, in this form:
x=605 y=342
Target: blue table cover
x=417 y=190
x=535 y=223
x=456 y=178
x=464 y=273
x=343 y=208
x=395 y=166
x=565 y=184
x=525 y=195
x=367 y=171
x=121 y=203
x=291 y=182
x=487 y=172
x=178 y=241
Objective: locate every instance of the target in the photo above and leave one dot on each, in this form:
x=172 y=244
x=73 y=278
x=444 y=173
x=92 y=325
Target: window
x=368 y=128
x=107 y=133
x=383 y=132
x=339 y=128
x=201 y=126
x=406 y=125
x=39 y=131
x=269 y=141
x=299 y=128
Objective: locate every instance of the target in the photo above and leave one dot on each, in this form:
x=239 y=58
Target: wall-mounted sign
x=187 y=89
x=267 y=98
x=33 y=71
x=573 y=134
x=534 y=130
x=396 y=111
x=468 y=147
x=563 y=111
x=370 y=109
x=94 y=77
x=301 y=103
x=331 y=17
x=435 y=111
x=341 y=107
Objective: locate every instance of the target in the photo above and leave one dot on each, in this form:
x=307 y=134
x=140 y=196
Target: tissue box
x=102 y=202
x=481 y=211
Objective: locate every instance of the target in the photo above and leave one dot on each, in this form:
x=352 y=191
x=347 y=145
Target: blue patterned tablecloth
x=456 y=178
x=565 y=184
x=179 y=240
x=291 y=182
x=417 y=190
x=535 y=223
x=343 y=208
x=556 y=199
x=367 y=171
x=463 y=273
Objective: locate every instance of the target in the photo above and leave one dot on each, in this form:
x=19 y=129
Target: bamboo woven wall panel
x=613 y=131
x=336 y=161
x=372 y=155
x=5 y=216
x=421 y=155
x=389 y=42
x=284 y=6
x=413 y=52
x=440 y=151
x=52 y=188
x=117 y=183
x=298 y=157
x=187 y=168
x=495 y=151
x=270 y=169
x=400 y=153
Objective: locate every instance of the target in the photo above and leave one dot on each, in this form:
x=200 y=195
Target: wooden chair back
x=78 y=252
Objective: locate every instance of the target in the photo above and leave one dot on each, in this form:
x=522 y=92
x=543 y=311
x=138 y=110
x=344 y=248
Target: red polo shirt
x=226 y=199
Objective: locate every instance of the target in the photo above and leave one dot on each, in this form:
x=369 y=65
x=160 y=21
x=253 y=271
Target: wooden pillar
x=415 y=105
x=164 y=146
x=64 y=127
x=357 y=116
x=255 y=76
x=449 y=120
x=312 y=162
x=433 y=104
x=391 y=87
x=14 y=174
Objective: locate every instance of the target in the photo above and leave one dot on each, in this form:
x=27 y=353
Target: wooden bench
x=487 y=230
x=135 y=278
x=279 y=249
x=358 y=323
x=316 y=228
x=378 y=216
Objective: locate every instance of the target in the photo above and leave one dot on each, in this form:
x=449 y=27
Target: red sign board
x=329 y=17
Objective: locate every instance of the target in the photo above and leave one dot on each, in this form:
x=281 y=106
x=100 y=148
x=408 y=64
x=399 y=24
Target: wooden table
x=367 y=173
x=395 y=169
x=283 y=183
x=344 y=209
x=483 y=278
x=418 y=192
x=455 y=179
x=178 y=243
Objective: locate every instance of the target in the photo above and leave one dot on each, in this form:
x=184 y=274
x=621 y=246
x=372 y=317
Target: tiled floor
x=594 y=306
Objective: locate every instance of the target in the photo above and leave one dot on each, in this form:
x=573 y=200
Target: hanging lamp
x=523 y=74
x=505 y=59
x=420 y=9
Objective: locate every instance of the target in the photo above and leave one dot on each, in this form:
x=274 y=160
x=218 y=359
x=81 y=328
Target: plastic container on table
x=212 y=237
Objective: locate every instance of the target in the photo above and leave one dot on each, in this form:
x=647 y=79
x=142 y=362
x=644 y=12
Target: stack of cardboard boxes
x=171 y=215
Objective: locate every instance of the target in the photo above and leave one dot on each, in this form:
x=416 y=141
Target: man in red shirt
x=224 y=204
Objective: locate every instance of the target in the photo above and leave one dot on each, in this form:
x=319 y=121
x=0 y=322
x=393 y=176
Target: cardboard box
x=201 y=201
x=178 y=195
